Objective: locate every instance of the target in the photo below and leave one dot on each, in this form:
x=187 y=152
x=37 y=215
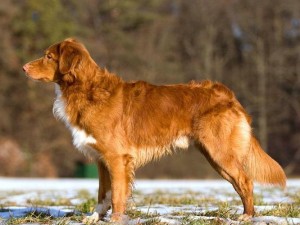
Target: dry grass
x=208 y=209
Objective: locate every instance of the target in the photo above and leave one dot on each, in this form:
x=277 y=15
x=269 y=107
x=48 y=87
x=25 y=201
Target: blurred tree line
x=252 y=46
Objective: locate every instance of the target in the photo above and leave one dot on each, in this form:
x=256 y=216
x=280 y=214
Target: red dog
x=125 y=125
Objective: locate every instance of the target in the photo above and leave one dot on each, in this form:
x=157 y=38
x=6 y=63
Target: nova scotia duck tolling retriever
x=124 y=125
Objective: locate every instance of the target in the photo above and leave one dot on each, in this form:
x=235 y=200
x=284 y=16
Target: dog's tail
x=262 y=168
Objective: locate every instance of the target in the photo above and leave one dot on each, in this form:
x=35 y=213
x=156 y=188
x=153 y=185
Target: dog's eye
x=49 y=56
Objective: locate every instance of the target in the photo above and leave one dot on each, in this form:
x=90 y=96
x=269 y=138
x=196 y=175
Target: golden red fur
x=125 y=125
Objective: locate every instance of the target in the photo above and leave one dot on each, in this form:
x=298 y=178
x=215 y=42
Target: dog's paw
x=94 y=218
x=245 y=218
x=117 y=218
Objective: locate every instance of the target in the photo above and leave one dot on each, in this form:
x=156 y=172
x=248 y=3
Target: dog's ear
x=69 y=59
x=71 y=39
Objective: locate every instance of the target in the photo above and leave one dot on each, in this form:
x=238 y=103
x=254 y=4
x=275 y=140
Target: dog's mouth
x=30 y=77
x=36 y=78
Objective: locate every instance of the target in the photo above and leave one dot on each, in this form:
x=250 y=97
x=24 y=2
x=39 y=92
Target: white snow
x=26 y=184
x=275 y=220
x=23 y=184
x=21 y=191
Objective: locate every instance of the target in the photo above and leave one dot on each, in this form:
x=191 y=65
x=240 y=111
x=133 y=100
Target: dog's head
x=61 y=62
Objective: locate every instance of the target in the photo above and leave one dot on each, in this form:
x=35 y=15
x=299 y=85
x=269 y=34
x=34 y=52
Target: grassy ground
x=216 y=206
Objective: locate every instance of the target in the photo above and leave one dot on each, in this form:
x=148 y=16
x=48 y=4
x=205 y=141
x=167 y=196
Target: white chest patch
x=81 y=139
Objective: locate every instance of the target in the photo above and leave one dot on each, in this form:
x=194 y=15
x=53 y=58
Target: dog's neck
x=97 y=81
x=95 y=91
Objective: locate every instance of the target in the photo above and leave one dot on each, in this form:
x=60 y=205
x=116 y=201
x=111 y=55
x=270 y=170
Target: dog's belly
x=147 y=154
x=181 y=142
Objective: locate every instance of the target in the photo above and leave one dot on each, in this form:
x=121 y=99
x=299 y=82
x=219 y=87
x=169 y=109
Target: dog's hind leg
x=243 y=185
x=225 y=138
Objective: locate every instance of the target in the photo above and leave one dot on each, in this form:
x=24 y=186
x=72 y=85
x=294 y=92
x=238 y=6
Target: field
x=67 y=201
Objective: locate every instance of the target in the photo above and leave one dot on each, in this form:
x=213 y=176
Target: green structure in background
x=86 y=170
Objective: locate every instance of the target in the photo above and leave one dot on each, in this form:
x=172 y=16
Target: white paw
x=94 y=218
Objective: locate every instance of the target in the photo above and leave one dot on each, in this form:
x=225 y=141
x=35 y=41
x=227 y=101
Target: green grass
x=188 y=198
x=282 y=210
x=87 y=206
x=43 y=220
x=49 y=202
x=32 y=218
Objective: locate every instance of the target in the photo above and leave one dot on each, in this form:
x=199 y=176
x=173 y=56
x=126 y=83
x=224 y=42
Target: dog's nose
x=25 y=68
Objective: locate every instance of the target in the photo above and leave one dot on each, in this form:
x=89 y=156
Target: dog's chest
x=81 y=140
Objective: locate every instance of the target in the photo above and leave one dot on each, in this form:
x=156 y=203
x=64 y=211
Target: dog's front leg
x=104 y=195
x=121 y=171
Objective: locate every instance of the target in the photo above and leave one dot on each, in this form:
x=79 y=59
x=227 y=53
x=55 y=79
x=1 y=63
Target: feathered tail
x=262 y=168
